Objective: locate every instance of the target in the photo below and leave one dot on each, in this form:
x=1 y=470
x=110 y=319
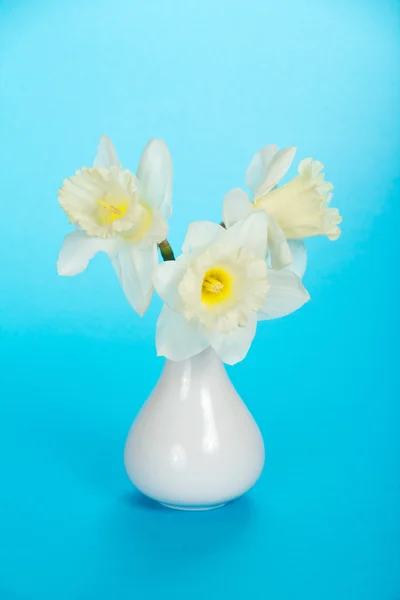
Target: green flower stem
x=166 y=251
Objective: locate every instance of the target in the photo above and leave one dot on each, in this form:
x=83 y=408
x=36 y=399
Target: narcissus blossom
x=218 y=289
x=121 y=214
x=300 y=207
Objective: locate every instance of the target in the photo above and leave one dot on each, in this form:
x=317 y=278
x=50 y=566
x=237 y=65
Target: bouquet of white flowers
x=230 y=275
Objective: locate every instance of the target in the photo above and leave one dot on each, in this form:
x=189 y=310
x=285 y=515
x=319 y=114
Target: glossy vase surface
x=194 y=445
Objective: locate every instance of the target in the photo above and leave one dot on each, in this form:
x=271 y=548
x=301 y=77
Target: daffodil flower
x=121 y=214
x=218 y=289
x=298 y=209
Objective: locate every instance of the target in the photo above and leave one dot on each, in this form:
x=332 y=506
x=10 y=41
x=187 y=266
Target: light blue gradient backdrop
x=217 y=80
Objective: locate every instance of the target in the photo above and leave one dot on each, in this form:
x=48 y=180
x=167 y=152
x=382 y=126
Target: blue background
x=217 y=80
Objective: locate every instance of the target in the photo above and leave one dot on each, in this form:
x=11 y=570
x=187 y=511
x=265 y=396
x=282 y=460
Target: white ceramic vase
x=194 y=445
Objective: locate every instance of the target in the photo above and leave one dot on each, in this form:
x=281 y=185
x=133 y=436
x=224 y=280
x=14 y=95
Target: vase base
x=193 y=508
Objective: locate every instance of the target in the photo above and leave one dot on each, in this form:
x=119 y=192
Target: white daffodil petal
x=199 y=235
x=134 y=269
x=299 y=257
x=275 y=170
x=257 y=169
x=176 y=338
x=285 y=295
x=251 y=233
x=155 y=175
x=167 y=277
x=237 y=206
x=77 y=250
x=279 y=251
x=233 y=347
x=106 y=154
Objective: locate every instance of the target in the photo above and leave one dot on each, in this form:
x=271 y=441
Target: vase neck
x=199 y=368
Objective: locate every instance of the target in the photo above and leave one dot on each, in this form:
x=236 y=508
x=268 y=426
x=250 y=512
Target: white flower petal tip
x=298 y=262
x=199 y=235
x=106 y=154
x=78 y=249
x=279 y=252
x=176 y=338
x=134 y=269
x=301 y=206
x=233 y=347
x=155 y=175
x=286 y=294
x=267 y=168
x=237 y=206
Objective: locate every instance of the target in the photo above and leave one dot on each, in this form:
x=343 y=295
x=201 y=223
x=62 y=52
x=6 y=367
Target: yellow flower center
x=216 y=286
x=108 y=212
